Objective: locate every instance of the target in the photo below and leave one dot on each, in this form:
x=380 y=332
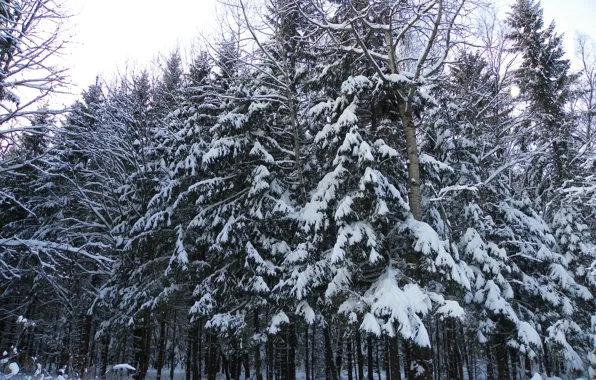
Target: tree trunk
x=339 y=355
x=105 y=357
x=306 y=354
x=313 y=360
x=407 y=360
x=370 y=357
x=547 y=363
x=246 y=362
x=465 y=353
x=359 y=356
x=161 y=349
x=270 y=361
x=85 y=342
x=528 y=366
x=330 y=370
x=377 y=361
x=386 y=360
x=502 y=365
x=188 y=360
x=395 y=371
x=225 y=365
x=257 y=353
x=173 y=350
x=141 y=344
x=200 y=352
x=212 y=357
x=350 y=359
x=421 y=356
x=194 y=351
x=490 y=373
x=291 y=346
x=513 y=356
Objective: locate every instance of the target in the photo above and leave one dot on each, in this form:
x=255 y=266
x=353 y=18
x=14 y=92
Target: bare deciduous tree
x=31 y=35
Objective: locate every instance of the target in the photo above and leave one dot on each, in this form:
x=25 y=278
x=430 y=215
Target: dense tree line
x=362 y=189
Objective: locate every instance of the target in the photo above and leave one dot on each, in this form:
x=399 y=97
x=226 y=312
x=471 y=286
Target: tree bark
x=395 y=371
x=105 y=357
x=421 y=356
x=330 y=370
x=194 y=351
x=359 y=356
x=85 y=342
x=528 y=366
x=350 y=359
x=407 y=360
x=141 y=344
x=161 y=349
x=291 y=356
x=490 y=372
x=270 y=361
x=370 y=358
x=306 y=354
x=212 y=357
x=188 y=360
x=339 y=355
x=173 y=350
x=257 y=352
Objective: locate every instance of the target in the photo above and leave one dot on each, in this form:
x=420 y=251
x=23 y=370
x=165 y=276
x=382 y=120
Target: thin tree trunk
x=407 y=360
x=350 y=359
x=194 y=352
x=359 y=356
x=370 y=357
x=85 y=342
x=330 y=370
x=212 y=358
x=200 y=352
x=490 y=373
x=512 y=356
x=173 y=350
x=306 y=354
x=313 y=360
x=105 y=357
x=386 y=364
x=528 y=367
x=547 y=364
x=225 y=365
x=141 y=344
x=257 y=353
x=502 y=365
x=161 y=349
x=422 y=356
x=395 y=370
x=377 y=361
x=246 y=362
x=291 y=356
x=339 y=355
x=188 y=360
x=270 y=361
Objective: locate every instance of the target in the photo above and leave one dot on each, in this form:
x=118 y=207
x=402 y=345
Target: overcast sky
x=108 y=33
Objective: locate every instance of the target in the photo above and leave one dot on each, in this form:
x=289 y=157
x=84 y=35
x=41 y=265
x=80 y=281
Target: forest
x=333 y=189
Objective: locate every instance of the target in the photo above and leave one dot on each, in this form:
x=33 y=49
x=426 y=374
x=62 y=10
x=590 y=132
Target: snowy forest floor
x=180 y=373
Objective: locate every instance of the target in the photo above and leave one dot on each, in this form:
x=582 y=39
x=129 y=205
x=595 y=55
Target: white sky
x=109 y=33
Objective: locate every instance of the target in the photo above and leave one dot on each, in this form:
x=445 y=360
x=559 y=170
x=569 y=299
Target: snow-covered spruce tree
x=68 y=237
x=470 y=137
x=545 y=83
x=123 y=145
x=242 y=203
x=404 y=47
x=182 y=138
x=459 y=153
